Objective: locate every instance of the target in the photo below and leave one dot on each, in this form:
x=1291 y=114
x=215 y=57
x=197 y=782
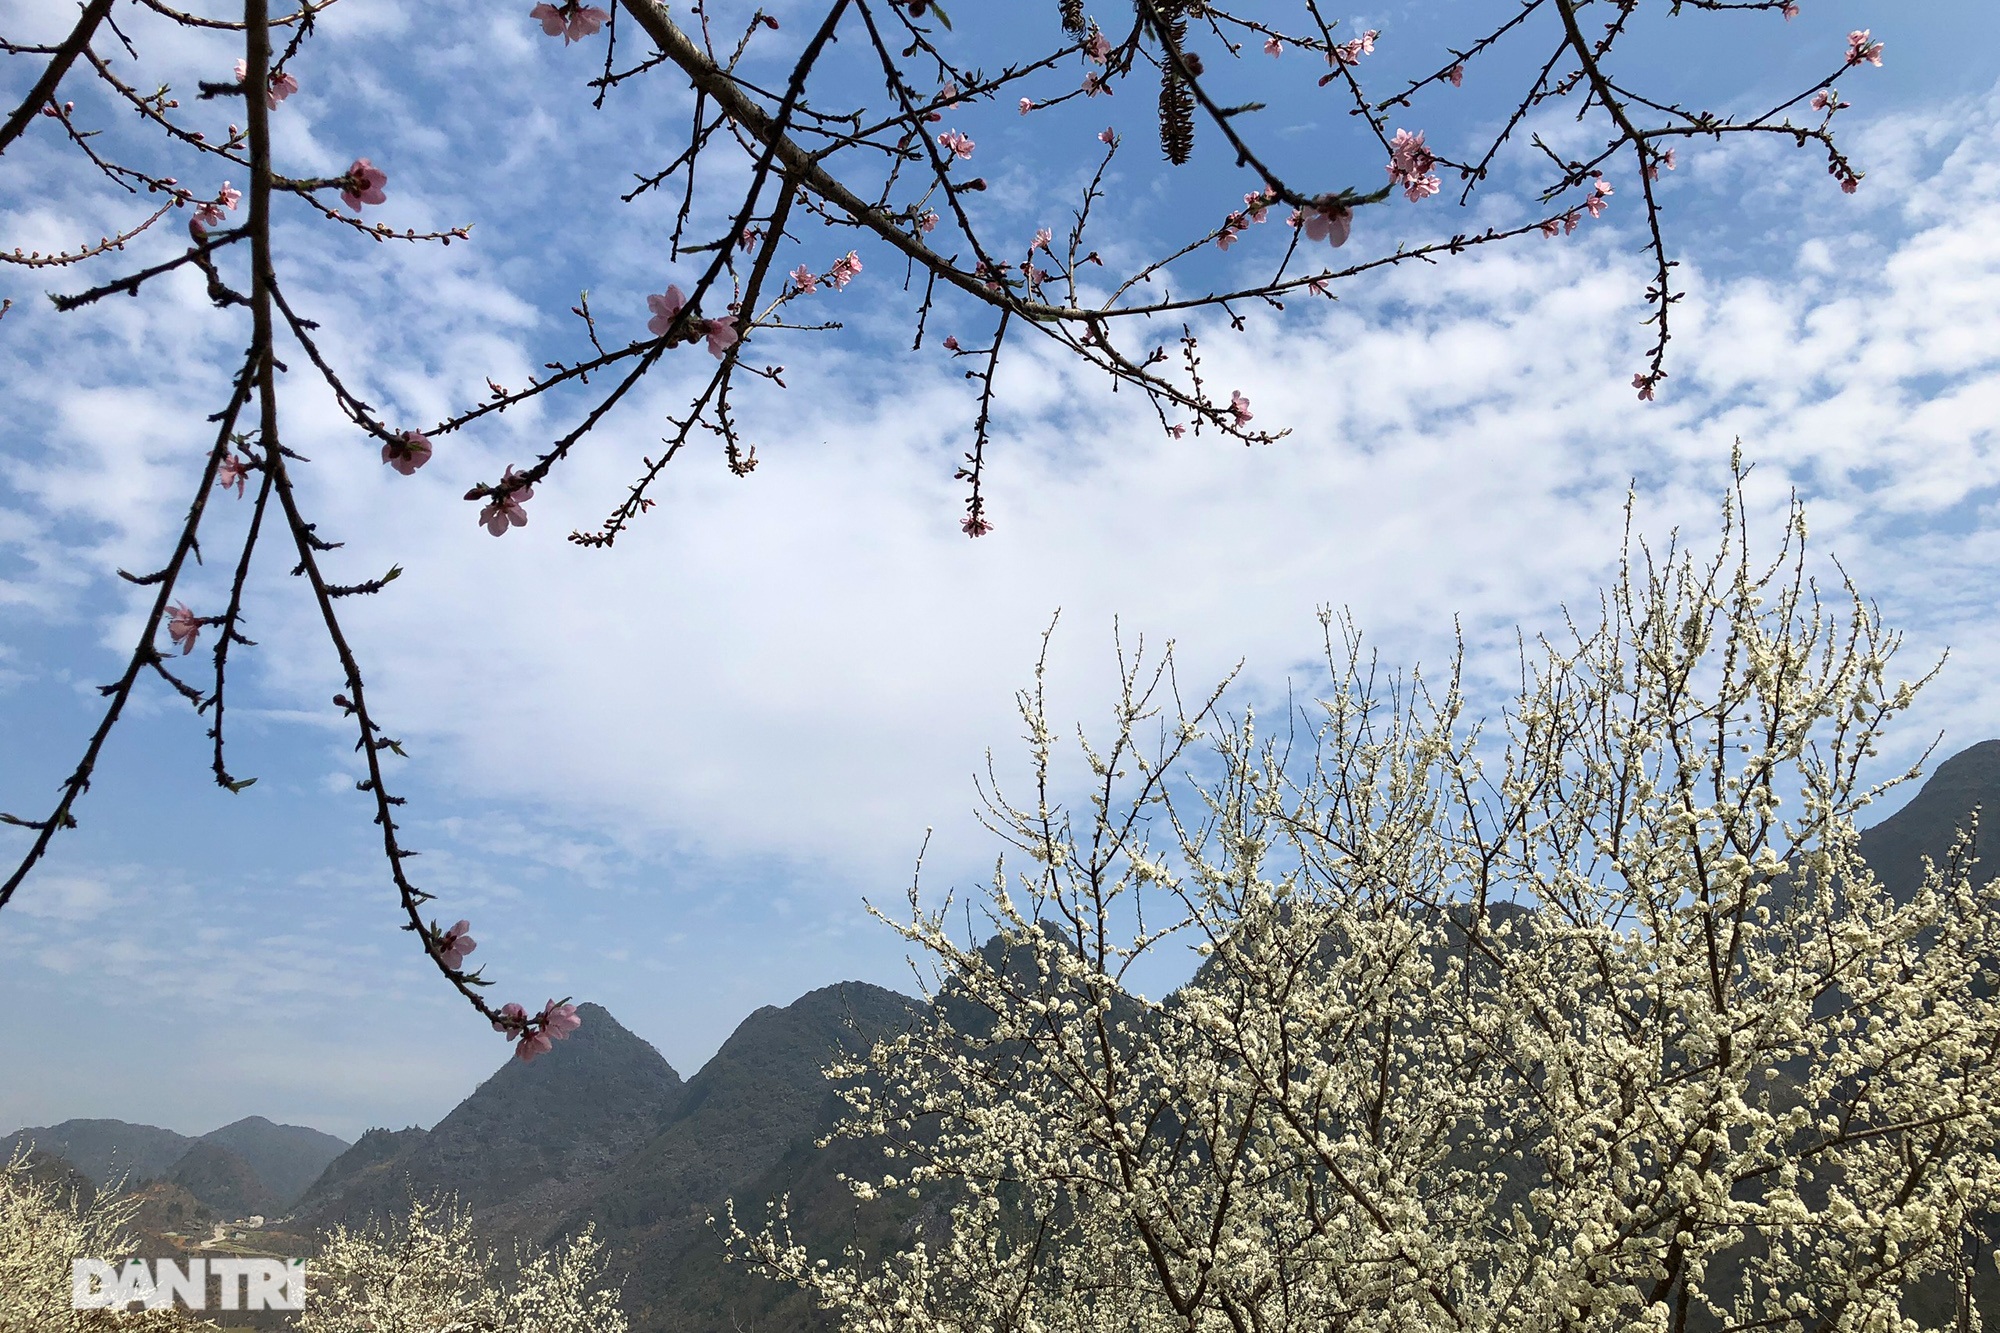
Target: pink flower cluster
x=571 y=21
x=842 y=273
x=1594 y=204
x=503 y=509
x=534 y=1035
x=1239 y=407
x=409 y=453
x=283 y=85
x=960 y=145
x=1860 y=50
x=1653 y=166
x=1347 y=53
x=1410 y=163
x=211 y=213
x=667 y=308
x=455 y=944
x=364 y=182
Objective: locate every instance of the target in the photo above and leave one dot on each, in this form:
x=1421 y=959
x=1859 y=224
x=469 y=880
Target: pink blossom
x=559 y=1020
x=1177 y=430
x=283 y=85
x=364 y=184
x=1239 y=407
x=1553 y=227
x=954 y=142
x=1027 y=105
x=455 y=944
x=951 y=343
x=1791 y=11
x=584 y=23
x=844 y=269
x=232 y=471
x=531 y=1045
x=804 y=279
x=409 y=453
x=1570 y=222
x=1098 y=48
x=748 y=240
x=1318 y=287
x=208 y=215
x=1042 y=238
x=504 y=509
x=926 y=223
x=1860 y=49
x=1231 y=229
x=1257 y=202
x=1328 y=222
x=242 y=70
x=512 y=1018
x=1644 y=384
x=666 y=308
x=1093 y=85
x=182 y=627
x=1599 y=198
x=1350 y=53
x=1665 y=159
x=1457 y=75
x=572 y=22
x=975 y=526
x=1849 y=184
x=1273 y=47
x=1108 y=135
x=1410 y=163
x=722 y=336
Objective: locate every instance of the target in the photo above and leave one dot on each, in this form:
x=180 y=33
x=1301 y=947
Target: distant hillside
x=285 y=1158
x=223 y=1181
x=104 y=1150
x=1896 y=847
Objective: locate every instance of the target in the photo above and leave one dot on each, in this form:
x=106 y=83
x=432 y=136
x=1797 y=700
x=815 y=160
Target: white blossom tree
x=1599 y=1024
x=43 y=1227
x=427 y=1273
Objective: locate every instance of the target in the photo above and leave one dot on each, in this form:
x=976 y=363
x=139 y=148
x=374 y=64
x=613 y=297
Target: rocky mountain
x=601 y=1131
x=745 y=1130
x=525 y=1141
x=284 y=1158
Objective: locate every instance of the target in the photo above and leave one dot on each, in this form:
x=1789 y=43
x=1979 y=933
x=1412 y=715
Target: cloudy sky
x=665 y=777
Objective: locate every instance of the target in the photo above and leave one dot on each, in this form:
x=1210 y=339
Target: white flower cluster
x=1612 y=1031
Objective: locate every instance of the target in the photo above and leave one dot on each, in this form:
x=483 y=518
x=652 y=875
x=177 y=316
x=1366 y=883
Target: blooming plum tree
x=1600 y=1026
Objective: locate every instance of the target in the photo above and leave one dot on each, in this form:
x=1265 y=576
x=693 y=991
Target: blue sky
x=665 y=777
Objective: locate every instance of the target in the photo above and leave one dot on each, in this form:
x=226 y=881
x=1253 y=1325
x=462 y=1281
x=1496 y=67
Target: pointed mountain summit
x=529 y=1131
x=745 y=1128
x=285 y=1158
